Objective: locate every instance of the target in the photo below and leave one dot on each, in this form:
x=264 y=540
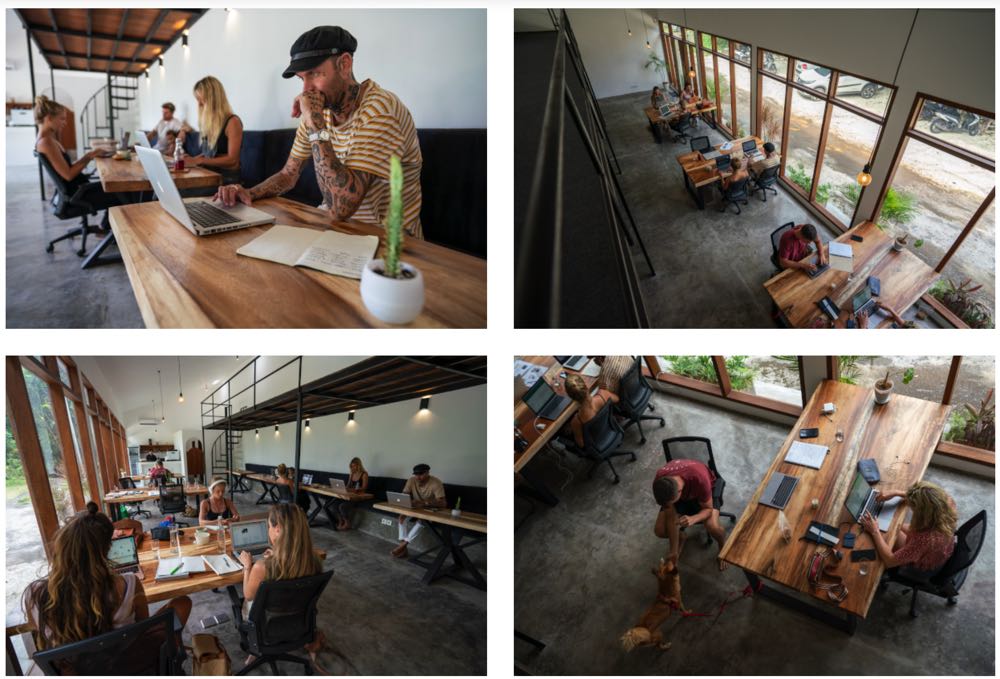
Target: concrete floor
x=710 y=265
x=582 y=576
x=50 y=290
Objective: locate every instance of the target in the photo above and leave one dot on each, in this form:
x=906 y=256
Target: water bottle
x=178 y=156
x=175 y=539
x=222 y=535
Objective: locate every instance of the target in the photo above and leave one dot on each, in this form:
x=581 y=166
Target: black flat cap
x=316 y=46
x=421 y=468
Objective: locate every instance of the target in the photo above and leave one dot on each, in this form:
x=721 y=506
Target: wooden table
x=527 y=423
x=196 y=489
x=450 y=532
x=119 y=176
x=900 y=436
x=185 y=281
x=700 y=173
x=904 y=278
x=239 y=485
x=326 y=496
x=655 y=119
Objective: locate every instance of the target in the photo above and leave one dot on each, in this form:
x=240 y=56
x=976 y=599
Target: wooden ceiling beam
x=114 y=48
x=149 y=34
x=90 y=36
x=41 y=28
x=59 y=39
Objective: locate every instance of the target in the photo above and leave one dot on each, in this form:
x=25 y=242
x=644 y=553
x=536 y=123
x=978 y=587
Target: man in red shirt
x=683 y=489
x=793 y=248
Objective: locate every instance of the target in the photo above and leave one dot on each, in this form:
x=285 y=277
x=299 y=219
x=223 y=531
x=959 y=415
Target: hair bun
x=41 y=99
x=92 y=508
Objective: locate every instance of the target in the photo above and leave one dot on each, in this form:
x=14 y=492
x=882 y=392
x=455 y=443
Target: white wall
x=434 y=60
x=390 y=439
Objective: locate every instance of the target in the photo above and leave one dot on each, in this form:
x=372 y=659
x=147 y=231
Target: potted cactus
x=392 y=290
x=457 y=511
x=883 y=388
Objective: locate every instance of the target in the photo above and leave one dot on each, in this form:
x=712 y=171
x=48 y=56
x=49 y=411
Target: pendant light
x=180 y=389
x=648 y=46
x=159 y=377
x=865 y=176
x=627 y=27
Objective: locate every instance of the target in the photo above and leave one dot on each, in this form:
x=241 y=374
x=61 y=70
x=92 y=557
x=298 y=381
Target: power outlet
x=386 y=522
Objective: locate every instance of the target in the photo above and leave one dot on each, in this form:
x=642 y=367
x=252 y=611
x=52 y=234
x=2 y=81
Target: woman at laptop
x=928 y=541
x=82 y=596
x=217 y=506
x=576 y=389
x=357 y=482
x=221 y=133
x=739 y=173
x=284 y=476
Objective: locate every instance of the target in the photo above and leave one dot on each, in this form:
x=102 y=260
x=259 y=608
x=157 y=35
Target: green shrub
x=798 y=175
x=849 y=369
x=898 y=207
x=701 y=368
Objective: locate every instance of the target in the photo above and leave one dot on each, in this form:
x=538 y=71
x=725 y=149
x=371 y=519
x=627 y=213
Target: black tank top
x=74 y=183
x=212 y=516
x=356 y=484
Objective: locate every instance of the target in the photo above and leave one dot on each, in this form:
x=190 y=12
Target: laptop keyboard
x=204 y=214
x=128 y=569
x=873 y=506
x=784 y=491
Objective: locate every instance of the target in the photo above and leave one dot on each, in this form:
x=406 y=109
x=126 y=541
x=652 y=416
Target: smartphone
x=810 y=433
x=857 y=239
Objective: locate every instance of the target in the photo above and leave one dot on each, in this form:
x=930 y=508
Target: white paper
x=332 y=252
x=528 y=372
x=222 y=564
x=194 y=564
x=165 y=568
x=888 y=511
x=841 y=257
x=806 y=454
x=841 y=249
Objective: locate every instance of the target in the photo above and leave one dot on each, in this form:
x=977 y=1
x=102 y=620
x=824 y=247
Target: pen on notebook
x=177 y=568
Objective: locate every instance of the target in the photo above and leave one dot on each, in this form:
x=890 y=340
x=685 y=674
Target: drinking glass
x=863 y=569
x=175 y=540
x=840 y=435
x=156 y=549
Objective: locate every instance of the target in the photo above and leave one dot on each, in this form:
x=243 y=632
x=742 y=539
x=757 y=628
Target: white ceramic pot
x=882 y=394
x=393 y=300
x=897 y=246
x=201 y=537
x=456 y=513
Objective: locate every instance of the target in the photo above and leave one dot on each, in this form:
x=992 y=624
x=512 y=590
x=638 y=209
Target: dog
x=668 y=597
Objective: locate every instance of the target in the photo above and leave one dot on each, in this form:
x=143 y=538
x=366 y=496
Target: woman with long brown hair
x=82 y=596
x=928 y=540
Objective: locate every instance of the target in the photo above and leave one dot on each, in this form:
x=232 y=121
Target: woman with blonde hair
x=357 y=482
x=576 y=389
x=928 y=541
x=221 y=132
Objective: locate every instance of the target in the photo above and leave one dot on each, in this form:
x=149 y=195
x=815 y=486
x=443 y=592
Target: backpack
x=208 y=656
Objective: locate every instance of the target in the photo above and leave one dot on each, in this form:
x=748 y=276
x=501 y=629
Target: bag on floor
x=208 y=657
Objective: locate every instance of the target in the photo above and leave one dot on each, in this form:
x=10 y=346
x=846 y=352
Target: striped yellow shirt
x=380 y=127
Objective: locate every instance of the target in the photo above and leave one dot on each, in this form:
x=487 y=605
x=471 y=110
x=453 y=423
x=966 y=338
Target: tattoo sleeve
x=343 y=189
x=279 y=183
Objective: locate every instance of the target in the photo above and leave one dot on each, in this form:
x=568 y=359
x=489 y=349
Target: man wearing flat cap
x=349 y=130
x=425 y=491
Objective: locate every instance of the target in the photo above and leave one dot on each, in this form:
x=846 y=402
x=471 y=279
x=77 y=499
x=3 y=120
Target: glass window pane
x=678 y=64
x=742 y=100
x=971 y=421
x=63 y=372
x=773 y=377
x=804 y=123
x=849 y=144
x=696 y=367
x=722 y=46
x=725 y=101
x=772 y=111
x=706 y=41
x=48 y=437
x=812 y=76
x=25 y=555
x=932 y=197
x=709 y=87
x=676 y=30
x=741 y=52
x=930 y=373
x=775 y=63
x=958 y=278
x=863 y=94
x=75 y=430
x=689 y=35
x=958 y=127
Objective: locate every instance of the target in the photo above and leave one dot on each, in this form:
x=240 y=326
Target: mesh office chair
x=133 y=508
x=776 y=241
x=147 y=647
x=284 y=494
x=701 y=144
x=601 y=436
x=765 y=182
x=678 y=125
x=948 y=580
x=172 y=500
x=736 y=194
x=634 y=395
x=68 y=203
x=282 y=619
x=700 y=449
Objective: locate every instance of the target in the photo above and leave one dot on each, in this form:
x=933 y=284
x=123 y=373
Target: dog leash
x=745 y=593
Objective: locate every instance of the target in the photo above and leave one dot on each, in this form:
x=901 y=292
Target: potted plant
x=658 y=64
x=457 y=511
x=392 y=290
x=901 y=241
x=883 y=388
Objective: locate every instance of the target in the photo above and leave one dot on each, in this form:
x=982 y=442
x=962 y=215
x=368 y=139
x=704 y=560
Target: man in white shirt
x=167 y=130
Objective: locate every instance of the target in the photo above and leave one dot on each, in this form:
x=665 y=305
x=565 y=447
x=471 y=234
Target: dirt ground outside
x=25 y=556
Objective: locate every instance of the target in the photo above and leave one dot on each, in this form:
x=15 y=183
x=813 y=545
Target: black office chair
x=948 y=580
x=147 y=647
x=68 y=203
x=284 y=494
x=700 y=449
x=634 y=394
x=678 y=125
x=700 y=144
x=736 y=194
x=133 y=508
x=172 y=500
x=601 y=436
x=282 y=619
x=765 y=182
x=776 y=241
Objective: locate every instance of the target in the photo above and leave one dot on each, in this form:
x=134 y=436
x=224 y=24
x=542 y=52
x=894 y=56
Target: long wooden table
x=655 y=119
x=454 y=535
x=144 y=494
x=184 y=281
x=539 y=431
x=700 y=173
x=119 y=176
x=904 y=278
x=326 y=496
x=900 y=436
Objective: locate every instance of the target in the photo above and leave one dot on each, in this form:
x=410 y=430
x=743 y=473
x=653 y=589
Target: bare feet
x=722 y=564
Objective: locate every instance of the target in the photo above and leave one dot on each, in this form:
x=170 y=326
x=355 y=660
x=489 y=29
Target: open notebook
x=332 y=252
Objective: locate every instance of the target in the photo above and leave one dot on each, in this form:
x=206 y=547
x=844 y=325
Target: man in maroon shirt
x=683 y=489
x=793 y=248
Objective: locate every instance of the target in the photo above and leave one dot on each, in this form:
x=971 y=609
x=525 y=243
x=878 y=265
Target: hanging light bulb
x=627 y=27
x=865 y=176
x=159 y=377
x=307 y=424
x=648 y=46
x=180 y=389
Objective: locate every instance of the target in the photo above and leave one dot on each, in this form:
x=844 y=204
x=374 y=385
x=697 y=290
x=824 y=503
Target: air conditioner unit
x=149 y=421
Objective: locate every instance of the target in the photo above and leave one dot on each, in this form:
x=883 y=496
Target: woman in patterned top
x=925 y=543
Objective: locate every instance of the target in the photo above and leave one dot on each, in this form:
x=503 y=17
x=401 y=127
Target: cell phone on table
x=856 y=238
x=808 y=433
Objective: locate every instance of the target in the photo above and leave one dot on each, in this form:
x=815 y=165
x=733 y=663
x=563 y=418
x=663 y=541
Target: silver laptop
x=710 y=155
x=249 y=536
x=307 y=479
x=141 y=139
x=338 y=485
x=778 y=490
x=199 y=216
x=124 y=557
x=398 y=499
x=863 y=498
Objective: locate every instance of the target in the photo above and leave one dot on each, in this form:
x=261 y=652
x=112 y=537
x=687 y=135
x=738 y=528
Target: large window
x=973 y=414
x=742 y=92
x=771 y=113
x=773 y=377
x=805 y=123
x=768 y=382
x=849 y=144
x=48 y=438
x=941 y=192
x=725 y=77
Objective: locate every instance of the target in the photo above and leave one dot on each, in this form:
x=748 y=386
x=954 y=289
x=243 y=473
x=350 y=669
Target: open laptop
x=572 y=362
x=724 y=163
x=820 y=268
x=307 y=479
x=123 y=556
x=862 y=302
x=199 y=216
x=544 y=402
x=249 y=536
x=778 y=490
x=141 y=139
x=338 y=485
x=399 y=499
x=712 y=154
x=665 y=111
x=863 y=498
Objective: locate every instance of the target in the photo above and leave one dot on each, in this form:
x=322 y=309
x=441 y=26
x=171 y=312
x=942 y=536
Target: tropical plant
x=907 y=374
x=963 y=302
x=657 y=63
x=394 y=220
x=701 y=368
x=849 y=369
x=797 y=173
x=974 y=426
x=770 y=122
x=14 y=471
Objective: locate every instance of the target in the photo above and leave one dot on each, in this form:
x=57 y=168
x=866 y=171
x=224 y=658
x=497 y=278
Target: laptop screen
x=538 y=395
x=248 y=534
x=122 y=552
x=723 y=162
x=750 y=145
x=855 y=501
x=861 y=298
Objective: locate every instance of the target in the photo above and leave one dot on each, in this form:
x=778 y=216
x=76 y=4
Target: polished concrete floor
x=582 y=576
x=50 y=290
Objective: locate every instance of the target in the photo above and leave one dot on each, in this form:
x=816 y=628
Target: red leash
x=746 y=593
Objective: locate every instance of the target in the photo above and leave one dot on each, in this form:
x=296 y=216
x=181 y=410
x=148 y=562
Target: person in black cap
x=350 y=130
x=425 y=491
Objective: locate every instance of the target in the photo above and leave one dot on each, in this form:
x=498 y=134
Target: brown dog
x=668 y=597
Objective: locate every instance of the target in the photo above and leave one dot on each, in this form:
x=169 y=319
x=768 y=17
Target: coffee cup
x=201 y=537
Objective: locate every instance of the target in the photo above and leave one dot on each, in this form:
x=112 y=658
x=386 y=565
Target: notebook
x=167 y=569
x=841 y=256
x=332 y=252
x=222 y=564
x=806 y=454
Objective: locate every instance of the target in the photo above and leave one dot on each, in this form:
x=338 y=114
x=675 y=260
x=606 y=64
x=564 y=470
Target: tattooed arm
x=343 y=189
x=280 y=182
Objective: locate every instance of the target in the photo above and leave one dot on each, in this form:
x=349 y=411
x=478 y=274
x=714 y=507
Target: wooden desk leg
x=693 y=190
x=531 y=640
x=848 y=624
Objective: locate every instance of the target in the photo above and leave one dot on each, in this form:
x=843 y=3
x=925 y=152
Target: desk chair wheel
x=81 y=252
x=952 y=601
x=50 y=248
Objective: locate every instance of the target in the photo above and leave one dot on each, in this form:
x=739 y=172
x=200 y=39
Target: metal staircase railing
x=104 y=107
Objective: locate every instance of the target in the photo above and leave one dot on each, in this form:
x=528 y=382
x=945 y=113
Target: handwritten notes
x=332 y=252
